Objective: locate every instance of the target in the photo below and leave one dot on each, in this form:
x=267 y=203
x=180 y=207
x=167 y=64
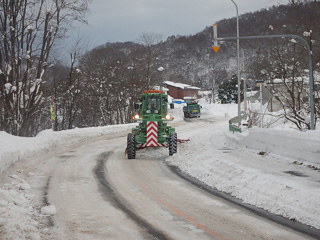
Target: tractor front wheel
x=131 y=147
x=172 y=144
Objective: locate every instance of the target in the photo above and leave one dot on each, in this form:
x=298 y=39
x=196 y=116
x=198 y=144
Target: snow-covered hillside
x=274 y=169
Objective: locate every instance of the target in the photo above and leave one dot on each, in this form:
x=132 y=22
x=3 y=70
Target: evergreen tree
x=227 y=92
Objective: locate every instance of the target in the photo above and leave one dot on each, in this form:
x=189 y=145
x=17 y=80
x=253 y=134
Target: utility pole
x=260 y=99
x=238 y=65
x=245 y=96
x=161 y=69
x=213 y=90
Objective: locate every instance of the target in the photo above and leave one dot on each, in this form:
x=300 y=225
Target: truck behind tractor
x=152 y=131
x=192 y=109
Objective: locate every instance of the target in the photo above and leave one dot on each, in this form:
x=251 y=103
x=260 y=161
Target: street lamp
x=161 y=69
x=238 y=65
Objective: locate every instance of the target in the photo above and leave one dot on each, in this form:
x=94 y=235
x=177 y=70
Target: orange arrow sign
x=215 y=48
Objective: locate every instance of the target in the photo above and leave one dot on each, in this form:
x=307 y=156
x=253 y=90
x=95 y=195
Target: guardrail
x=233 y=123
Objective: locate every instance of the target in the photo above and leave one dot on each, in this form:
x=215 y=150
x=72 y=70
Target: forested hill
x=130 y=68
x=190 y=59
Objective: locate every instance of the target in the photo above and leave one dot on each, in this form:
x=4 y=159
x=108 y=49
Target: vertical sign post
x=215 y=46
x=53 y=116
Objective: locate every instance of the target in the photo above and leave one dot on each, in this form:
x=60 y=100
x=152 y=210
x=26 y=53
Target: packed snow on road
x=275 y=168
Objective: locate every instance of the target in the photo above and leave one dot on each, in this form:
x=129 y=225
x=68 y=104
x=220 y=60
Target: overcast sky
x=125 y=20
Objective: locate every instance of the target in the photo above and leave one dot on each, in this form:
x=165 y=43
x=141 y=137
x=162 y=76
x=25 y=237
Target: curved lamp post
x=161 y=69
x=238 y=65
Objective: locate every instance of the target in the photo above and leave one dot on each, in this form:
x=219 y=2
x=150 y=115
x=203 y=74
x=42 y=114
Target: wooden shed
x=181 y=90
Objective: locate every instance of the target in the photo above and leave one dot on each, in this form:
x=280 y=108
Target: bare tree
x=148 y=59
x=72 y=88
x=28 y=30
x=291 y=86
x=308 y=13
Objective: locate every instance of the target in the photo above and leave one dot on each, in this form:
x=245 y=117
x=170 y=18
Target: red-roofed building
x=181 y=90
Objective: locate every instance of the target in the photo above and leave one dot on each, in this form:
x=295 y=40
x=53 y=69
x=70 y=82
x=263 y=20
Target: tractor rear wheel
x=176 y=141
x=172 y=144
x=131 y=147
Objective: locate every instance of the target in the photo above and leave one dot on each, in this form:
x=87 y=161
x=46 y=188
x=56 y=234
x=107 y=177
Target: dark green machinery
x=152 y=131
x=193 y=109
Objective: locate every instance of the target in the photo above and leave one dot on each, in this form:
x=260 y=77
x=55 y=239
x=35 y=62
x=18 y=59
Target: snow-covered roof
x=158 y=88
x=181 y=85
x=205 y=92
x=304 y=79
x=277 y=80
x=189 y=98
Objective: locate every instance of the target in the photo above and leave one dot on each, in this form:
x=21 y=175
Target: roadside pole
x=52 y=114
x=238 y=65
x=245 y=96
x=215 y=46
x=213 y=91
x=161 y=69
x=260 y=99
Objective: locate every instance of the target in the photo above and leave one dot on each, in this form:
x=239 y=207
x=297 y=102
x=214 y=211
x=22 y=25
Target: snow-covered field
x=277 y=169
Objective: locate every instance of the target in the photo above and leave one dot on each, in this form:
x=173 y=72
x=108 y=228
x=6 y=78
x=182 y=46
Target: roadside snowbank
x=291 y=144
x=13 y=148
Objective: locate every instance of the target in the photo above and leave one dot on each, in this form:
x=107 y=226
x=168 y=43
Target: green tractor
x=193 y=109
x=152 y=131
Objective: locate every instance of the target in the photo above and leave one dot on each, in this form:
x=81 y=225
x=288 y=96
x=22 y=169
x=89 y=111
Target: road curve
x=100 y=194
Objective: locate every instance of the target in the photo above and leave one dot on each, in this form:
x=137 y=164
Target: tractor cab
x=152 y=102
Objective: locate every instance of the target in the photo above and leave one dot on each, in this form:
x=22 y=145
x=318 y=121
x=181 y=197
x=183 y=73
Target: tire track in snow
x=110 y=195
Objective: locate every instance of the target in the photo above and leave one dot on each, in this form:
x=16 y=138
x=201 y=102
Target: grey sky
x=125 y=20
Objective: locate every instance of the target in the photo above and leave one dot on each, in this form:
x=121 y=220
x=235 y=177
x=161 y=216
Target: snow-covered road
x=61 y=169
x=99 y=194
